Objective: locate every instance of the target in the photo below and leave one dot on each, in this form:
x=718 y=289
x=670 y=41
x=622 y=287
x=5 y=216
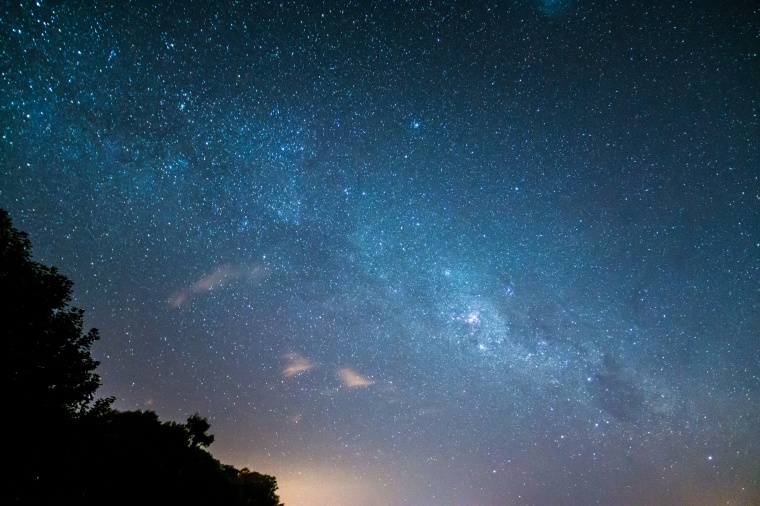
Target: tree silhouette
x=48 y=378
x=51 y=373
x=258 y=489
x=62 y=448
x=197 y=428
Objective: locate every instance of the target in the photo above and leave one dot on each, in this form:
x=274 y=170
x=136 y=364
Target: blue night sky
x=407 y=252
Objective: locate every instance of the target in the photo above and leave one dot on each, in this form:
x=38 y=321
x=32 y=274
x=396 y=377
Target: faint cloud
x=353 y=379
x=219 y=278
x=296 y=365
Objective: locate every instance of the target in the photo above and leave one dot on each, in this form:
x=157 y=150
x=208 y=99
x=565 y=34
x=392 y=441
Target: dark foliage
x=49 y=372
x=149 y=461
x=48 y=375
x=62 y=447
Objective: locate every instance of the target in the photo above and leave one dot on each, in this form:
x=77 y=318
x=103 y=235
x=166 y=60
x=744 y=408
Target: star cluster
x=410 y=252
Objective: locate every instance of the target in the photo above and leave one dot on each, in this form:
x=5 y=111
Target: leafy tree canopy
x=65 y=449
x=50 y=372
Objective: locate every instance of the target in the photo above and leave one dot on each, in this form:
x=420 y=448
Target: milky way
x=410 y=253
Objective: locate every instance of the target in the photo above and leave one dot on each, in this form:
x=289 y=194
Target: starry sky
x=410 y=252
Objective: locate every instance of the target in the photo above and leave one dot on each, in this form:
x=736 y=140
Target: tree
x=50 y=372
x=136 y=453
x=197 y=430
x=258 y=489
x=48 y=376
x=64 y=449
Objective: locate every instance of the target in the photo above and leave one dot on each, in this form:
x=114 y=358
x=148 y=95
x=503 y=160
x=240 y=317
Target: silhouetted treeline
x=62 y=447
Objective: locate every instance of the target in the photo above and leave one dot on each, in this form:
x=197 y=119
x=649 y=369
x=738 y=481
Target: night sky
x=410 y=252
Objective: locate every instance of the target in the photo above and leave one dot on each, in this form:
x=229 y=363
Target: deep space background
x=410 y=252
